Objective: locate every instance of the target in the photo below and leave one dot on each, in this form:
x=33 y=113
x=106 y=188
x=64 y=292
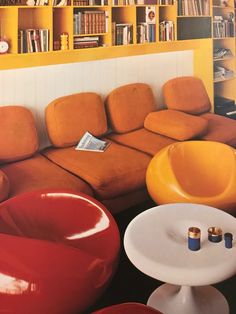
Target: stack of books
x=90 y=22
x=221 y=73
x=223 y=27
x=146 y=33
x=86 y=42
x=122 y=33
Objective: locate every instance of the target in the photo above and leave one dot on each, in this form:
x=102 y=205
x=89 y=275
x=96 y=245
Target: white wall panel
x=36 y=87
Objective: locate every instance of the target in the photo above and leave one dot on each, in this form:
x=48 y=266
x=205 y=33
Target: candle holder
x=194 y=235
x=215 y=234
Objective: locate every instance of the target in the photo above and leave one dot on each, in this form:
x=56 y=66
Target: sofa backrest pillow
x=4 y=186
x=176 y=124
x=187 y=94
x=128 y=105
x=18 y=136
x=69 y=117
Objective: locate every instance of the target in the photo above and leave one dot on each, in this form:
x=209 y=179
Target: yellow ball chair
x=194 y=172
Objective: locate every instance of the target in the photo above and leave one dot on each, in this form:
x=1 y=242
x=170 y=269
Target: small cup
x=214 y=234
x=194 y=235
x=228 y=237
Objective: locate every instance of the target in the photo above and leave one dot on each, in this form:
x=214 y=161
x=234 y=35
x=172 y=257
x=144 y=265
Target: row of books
x=166 y=31
x=122 y=33
x=90 y=22
x=33 y=40
x=141 y=2
x=193 y=7
x=222 y=27
x=86 y=42
x=90 y=2
x=146 y=33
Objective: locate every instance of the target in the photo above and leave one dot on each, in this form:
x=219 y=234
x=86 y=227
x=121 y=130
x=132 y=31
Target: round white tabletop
x=156 y=242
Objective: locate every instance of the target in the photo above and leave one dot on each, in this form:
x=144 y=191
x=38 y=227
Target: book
x=89 y=142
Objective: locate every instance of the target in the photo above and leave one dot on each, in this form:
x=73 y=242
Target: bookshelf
x=223 y=14
x=83 y=30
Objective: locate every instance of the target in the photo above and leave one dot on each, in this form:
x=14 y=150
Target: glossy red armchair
x=59 y=251
x=128 y=308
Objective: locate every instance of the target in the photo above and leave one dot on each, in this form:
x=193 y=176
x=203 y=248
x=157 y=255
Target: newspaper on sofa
x=89 y=142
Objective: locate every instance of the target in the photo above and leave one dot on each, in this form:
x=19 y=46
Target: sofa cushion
x=186 y=94
x=39 y=173
x=142 y=140
x=128 y=105
x=176 y=124
x=69 y=117
x=119 y=170
x=220 y=129
x=18 y=136
x=4 y=186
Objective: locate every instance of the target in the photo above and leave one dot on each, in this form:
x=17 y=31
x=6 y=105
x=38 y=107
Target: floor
x=130 y=285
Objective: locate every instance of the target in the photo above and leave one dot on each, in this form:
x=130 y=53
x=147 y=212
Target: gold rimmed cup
x=215 y=234
x=194 y=235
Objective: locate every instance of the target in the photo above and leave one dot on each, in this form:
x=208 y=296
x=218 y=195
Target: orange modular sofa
x=128 y=118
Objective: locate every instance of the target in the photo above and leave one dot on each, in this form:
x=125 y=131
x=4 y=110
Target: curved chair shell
x=196 y=172
x=59 y=251
x=128 y=308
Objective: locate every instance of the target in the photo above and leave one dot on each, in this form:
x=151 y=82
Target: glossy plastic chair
x=197 y=172
x=128 y=308
x=59 y=251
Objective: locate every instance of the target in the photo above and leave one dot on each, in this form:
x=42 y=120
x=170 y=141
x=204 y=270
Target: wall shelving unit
x=100 y=29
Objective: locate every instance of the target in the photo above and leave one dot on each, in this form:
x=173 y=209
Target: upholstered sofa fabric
x=4 y=186
x=176 y=124
x=18 y=136
x=69 y=117
x=220 y=129
x=142 y=140
x=119 y=170
x=128 y=105
x=187 y=94
x=38 y=172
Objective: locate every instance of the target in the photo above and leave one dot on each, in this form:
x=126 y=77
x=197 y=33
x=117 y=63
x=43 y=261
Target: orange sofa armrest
x=4 y=186
x=176 y=124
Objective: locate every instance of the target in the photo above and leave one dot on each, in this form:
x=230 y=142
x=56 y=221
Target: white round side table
x=156 y=242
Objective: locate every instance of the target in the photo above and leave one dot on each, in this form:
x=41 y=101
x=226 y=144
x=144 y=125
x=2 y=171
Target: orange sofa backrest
x=69 y=117
x=128 y=105
x=18 y=136
x=187 y=94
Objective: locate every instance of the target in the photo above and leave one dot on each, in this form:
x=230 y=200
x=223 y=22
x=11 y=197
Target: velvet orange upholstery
x=220 y=129
x=119 y=170
x=128 y=105
x=69 y=117
x=37 y=173
x=4 y=186
x=142 y=140
x=201 y=172
x=128 y=308
x=34 y=172
x=186 y=94
x=18 y=136
x=176 y=124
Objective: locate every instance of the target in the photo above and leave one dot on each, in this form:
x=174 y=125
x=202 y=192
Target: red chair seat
x=128 y=308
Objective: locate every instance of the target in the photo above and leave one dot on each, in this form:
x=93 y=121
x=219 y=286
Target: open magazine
x=91 y=143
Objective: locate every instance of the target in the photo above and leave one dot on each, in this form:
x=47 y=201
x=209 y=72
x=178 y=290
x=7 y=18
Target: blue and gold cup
x=215 y=234
x=194 y=238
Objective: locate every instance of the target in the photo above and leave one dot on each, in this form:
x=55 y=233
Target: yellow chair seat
x=196 y=172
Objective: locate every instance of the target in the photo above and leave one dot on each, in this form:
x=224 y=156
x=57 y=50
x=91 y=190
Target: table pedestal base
x=171 y=299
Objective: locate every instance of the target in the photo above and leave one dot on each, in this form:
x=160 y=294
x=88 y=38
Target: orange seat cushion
x=119 y=170
x=128 y=105
x=39 y=173
x=69 y=117
x=187 y=94
x=4 y=186
x=220 y=129
x=142 y=140
x=176 y=124
x=18 y=136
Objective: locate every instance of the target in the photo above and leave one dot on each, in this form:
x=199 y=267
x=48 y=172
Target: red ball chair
x=59 y=251
x=128 y=308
